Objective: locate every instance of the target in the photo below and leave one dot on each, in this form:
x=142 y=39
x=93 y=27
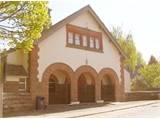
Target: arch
x=56 y=66
x=49 y=71
x=106 y=80
x=53 y=79
x=86 y=69
x=87 y=77
x=114 y=81
x=110 y=72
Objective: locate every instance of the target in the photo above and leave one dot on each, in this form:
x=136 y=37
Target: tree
x=152 y=60
x=21 y=22
x=127 y=44
x=138 y=83
x=144 y=77
x=151 y=74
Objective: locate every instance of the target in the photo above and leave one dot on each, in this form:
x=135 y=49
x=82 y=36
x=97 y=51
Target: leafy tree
x=140 y=60
x=21 y=22
x=138 y=83
x=144 y=77
x=152 y=60
x=127 y=44
x=151 y=74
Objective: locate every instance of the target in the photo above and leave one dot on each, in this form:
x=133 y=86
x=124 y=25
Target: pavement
x=83 y=110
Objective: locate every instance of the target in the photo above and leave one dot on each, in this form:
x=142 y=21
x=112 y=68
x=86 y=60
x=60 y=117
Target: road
x=149 y=111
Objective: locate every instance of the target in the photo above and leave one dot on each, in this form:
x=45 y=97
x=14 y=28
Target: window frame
x=22 y=83
x=84 y=32
x=75 y=39
x=70 y=38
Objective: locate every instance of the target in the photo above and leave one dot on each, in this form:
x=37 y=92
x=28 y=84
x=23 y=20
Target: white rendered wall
x=53 y=50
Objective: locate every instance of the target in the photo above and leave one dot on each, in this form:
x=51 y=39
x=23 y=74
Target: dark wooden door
x=59 y=93
x=52 y=90
x=86 y=93
x=108 y=92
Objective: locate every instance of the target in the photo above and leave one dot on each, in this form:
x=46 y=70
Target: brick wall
x=142 y=95
x=16 y=102
x=11 y=86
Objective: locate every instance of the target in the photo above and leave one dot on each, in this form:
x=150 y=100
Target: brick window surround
x=83 y=38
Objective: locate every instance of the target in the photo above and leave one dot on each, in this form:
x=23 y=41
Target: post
x=2 y=79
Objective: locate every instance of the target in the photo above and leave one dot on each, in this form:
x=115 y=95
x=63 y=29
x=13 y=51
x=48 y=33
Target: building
x=76 y=61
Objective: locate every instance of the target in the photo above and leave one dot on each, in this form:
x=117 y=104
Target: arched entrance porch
x=56 y=84
x=107 y=88
x=86 y=77
x=86 y=88
x=110 y=88
x=59 y=88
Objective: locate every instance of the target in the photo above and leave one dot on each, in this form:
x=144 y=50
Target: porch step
x=14 y=102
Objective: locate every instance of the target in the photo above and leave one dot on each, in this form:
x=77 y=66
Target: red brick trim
x=33 y=72
x=122 y=78
x=115 y=81
x=51 y=69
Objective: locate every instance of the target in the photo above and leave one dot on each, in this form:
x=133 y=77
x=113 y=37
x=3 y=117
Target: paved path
x=114 y=109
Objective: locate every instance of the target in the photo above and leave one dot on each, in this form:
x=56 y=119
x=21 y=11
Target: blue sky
x=141 y=18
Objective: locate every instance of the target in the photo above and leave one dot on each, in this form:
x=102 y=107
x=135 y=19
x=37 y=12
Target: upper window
x=77 y=39
x=91 y=42
x=97 y=43
x=83 y=38
x=70 y=37
x=85 y=41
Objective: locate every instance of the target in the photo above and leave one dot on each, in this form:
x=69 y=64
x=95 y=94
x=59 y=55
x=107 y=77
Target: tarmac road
x=148 y=111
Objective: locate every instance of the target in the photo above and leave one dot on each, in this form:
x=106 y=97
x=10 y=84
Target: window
x=91 y=42
x=70 y=37
x=97 y=43
x=77 y=39
x=85 y=41
x=82 y=38
x=22 y=84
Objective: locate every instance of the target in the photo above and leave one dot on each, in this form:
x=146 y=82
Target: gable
x=73 y=16
x=86 y=20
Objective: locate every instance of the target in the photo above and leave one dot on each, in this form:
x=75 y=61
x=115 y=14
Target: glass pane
x=97 y=43
x=70 y=38
x=84 y=41
x=77 y=39
x=91 y=42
